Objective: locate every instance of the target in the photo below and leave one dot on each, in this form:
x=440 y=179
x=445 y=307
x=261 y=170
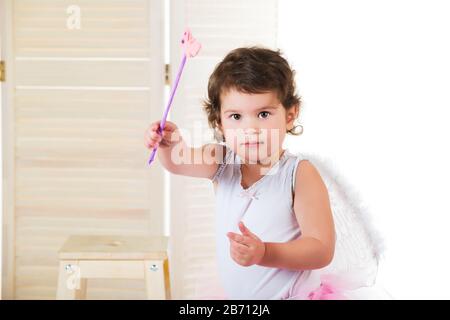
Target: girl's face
x=254 y=125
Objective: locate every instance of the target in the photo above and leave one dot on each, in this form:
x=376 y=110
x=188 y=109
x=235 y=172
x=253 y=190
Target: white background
x=375 y=80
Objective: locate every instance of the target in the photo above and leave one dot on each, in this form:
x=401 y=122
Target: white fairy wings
x=359 y=246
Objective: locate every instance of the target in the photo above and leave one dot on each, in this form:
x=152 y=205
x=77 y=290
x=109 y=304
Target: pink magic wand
x=191 y=48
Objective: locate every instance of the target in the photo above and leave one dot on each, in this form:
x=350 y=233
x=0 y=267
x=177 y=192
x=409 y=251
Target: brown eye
x=235 y=116
x=265 y=113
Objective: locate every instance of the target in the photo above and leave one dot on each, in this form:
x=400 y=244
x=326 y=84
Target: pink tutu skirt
x=313 y=286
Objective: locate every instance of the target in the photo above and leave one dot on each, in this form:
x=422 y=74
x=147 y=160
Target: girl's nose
x=252 y=130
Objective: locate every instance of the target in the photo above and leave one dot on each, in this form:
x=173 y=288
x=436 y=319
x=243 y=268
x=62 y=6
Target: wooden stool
x=84 y=257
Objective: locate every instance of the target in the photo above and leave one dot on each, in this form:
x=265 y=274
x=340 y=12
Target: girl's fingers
x=156 y=133
x=155 y=128
x=156 y=139
x=240 y=248
x=155 y=136
x=238 y=238
x=149 y=134
x=153 y=145
x=150 y=143
x=168 y=126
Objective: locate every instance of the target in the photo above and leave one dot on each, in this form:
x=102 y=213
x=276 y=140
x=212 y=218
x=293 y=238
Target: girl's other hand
x=246 y=249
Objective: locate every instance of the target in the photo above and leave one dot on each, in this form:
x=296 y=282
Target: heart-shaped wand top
x=190 y=45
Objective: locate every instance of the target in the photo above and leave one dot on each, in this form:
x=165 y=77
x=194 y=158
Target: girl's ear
x=291 y=115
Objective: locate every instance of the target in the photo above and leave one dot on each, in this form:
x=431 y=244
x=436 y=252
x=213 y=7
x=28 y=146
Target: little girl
x=274 y=223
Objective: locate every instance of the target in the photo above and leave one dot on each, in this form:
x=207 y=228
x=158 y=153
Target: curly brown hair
x=251 y=70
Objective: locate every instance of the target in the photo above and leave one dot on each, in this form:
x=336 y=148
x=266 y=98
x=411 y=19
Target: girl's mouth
x=252 y=144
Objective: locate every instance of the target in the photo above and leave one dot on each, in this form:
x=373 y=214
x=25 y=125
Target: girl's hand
x=153 y=137
x=246 y=249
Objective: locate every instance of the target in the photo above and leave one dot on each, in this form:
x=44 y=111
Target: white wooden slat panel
x=83 y=73
x=99 y=105
x=108 y=28
x=82 y=101
x=220 y=26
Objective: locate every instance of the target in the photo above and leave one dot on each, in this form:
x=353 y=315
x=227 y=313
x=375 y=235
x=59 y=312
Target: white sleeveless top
x=266 y=208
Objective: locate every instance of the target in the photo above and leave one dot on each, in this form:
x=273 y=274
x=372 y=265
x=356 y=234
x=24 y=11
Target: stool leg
x=156 y=279
x=167 y=279
x=70 y=284
x=81 y=294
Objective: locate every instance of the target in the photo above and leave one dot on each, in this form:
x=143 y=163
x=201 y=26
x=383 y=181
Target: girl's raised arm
x=178 y=158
